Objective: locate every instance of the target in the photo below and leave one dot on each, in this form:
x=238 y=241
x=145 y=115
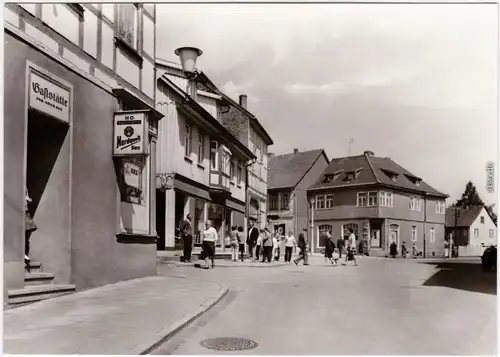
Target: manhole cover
x=229 y=344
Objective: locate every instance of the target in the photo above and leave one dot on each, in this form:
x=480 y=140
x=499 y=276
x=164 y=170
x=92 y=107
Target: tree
x=470 y=197
x=492 y=213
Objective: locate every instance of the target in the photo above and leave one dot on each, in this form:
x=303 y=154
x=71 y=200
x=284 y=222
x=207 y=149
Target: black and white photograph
x=250 y=178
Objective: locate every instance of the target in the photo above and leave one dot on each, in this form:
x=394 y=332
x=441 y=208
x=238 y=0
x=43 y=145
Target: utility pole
x=425 y=219
x=349 y=147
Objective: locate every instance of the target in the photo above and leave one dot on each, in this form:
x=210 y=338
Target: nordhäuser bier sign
x=130 y=134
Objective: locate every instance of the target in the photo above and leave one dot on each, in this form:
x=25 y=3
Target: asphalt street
x=382 y=306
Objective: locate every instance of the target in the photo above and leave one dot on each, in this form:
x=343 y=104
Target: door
x=394 y=234
x=375 y=238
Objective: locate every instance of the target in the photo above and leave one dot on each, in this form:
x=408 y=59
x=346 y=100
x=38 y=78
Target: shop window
x=127 y=24
x=322 y=234
x=133 y=181
x=347 y=227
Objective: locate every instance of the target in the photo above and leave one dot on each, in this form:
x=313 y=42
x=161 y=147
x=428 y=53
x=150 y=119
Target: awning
x=192 y=190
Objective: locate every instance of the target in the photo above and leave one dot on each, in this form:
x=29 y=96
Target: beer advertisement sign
x=130 y=134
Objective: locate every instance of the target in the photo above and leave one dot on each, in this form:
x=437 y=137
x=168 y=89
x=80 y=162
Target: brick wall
x=237 y=123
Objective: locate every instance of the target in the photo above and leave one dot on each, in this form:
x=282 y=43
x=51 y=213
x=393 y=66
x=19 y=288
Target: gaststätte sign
x=130 y=134
x=48 y=97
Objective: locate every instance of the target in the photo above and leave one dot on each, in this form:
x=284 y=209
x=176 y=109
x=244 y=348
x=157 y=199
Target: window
x=440 y=207
x=322 y=231
x=201 y=154
x=346 y=227
x=320 y=202
x=238 y=175
x=482 y=219
x=214 y=155
x=232 y=171
x=127 y=24
x=414 y=233
x=476 y=232
x=432 y=235
x=329 y=201
x=492 y=233
x=187 y=140
x=415 y=204
x=372 y=199
x=385 y=199
x=273 y=201
x=362 y=200
x=285 y=200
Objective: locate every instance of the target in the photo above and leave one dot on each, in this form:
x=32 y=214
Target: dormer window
x=352 y=175
x=328 y=178
x=391 y=174
x=414 y=180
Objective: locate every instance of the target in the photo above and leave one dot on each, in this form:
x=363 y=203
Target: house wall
x=78 y=212
x=237 y=123
x=475 y=243
x=344 y=205
x=302 y=210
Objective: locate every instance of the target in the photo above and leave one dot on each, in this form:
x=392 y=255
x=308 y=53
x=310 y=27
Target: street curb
x=166 y=333
x=177 y=264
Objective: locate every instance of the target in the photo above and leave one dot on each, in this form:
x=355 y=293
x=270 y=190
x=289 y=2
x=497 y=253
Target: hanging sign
x=130 y=134
x=48 y=97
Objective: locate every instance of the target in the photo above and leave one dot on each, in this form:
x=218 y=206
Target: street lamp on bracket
x=188 y=57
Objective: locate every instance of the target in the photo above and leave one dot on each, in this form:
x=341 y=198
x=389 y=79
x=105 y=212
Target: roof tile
x=286 y=170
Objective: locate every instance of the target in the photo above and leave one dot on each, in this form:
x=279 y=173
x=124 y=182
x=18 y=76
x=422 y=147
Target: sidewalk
x=124 y=318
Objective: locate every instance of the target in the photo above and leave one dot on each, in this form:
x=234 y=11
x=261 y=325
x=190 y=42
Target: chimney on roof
x=295 y=151
x=369 y=153
x=243 y=101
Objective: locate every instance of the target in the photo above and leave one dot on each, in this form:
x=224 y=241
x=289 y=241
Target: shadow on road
x=463 y=276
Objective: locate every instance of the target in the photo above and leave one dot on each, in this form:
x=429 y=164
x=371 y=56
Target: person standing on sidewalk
x=258 y=246
x=303 y=250
x=289 y=245
x=29 y=227
x=267 y=244
x=233 y=236
x=241 y=241
x=187 y=237
x=329 y=246
x=253 y=236
x=340 y=246
x=351 y=248
x=210 y=237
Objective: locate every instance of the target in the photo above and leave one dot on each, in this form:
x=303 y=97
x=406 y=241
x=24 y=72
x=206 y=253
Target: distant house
x=289 y=176
x=381 y=201
x=472 y=229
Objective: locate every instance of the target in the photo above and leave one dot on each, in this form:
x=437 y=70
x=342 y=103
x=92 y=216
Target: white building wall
x=475 y=243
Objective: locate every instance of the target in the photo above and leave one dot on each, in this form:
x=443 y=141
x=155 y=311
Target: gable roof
x=372 y=170
x=286 y=171
x=267 y=138
x=466 y=217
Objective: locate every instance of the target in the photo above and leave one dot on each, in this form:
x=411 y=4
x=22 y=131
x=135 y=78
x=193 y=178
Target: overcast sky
x=417 y=83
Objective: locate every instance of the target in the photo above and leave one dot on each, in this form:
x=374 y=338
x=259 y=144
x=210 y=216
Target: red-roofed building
x=381 y=201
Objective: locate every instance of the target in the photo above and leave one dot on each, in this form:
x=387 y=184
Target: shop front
x=86 y=164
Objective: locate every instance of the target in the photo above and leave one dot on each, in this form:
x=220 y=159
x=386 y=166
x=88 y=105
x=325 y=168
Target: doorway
x=44 y=143
x=160 y=219
x=394 y=234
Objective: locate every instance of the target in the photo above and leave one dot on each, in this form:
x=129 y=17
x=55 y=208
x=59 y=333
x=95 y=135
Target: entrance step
x=35 y=267
x=37 y=293
x=38 y=278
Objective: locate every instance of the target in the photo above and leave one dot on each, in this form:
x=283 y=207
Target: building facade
x=73 y=73
x=204 y=162
x=247 y=128
x=472 y=230
x=289 y=177
x=381 y=201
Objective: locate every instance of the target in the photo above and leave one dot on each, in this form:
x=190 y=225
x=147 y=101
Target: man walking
x=187 y=237
x=303 y=250
x=253 y=235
